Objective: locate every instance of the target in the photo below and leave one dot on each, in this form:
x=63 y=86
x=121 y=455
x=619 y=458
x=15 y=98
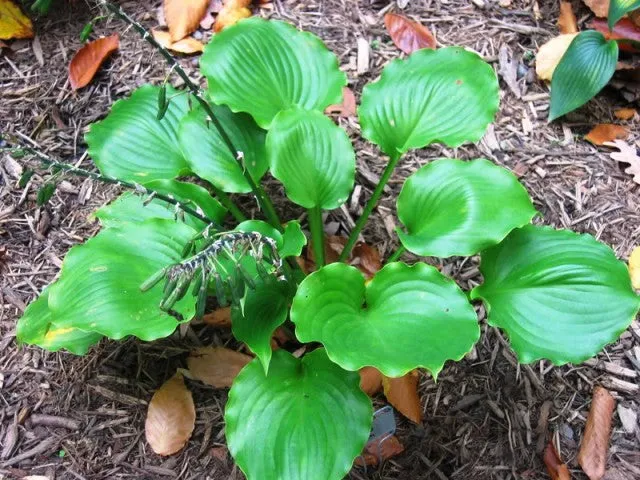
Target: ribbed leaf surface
x=619 y=8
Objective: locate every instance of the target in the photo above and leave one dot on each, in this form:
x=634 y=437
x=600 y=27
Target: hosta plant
x=558 y=295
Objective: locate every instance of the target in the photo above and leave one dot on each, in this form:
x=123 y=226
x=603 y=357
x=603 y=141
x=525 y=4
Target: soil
x=484 y=418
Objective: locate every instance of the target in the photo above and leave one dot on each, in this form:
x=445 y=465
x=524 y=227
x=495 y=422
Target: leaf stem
x=397 y=254
x=368 y=208
x=258 y=191
x=229 y=204
x=317 y=235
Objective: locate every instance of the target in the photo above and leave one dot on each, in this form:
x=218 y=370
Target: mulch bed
x=487 y=417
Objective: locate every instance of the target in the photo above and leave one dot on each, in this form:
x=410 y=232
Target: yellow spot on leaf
x=100 y=268
x=13 y=23
x=52 y=335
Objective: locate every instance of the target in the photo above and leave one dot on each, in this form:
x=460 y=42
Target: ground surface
x=482 y=419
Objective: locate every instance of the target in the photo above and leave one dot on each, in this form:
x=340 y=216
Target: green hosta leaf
x=45 y=193
x=584 y=70
x=290 y=242
x=558 y=295
x=447 y=95
x=131 y=144
x=619 y=8
x=312 y=157
x=265 y=308
x=307 y=419
x=405 y=317
x=265 y=66
x=99 y=288
x=35 y=328
x=208 y=155
x=452 y=207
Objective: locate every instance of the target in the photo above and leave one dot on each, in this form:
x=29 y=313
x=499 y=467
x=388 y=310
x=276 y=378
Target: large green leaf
x=35 y=328
x=619 y=8
x=452 y=207
x=558 y=295
x=584 y=70
x=99 y=287
x=131 y=144
x=265 y=66
x=405 y=317
x=447 y=95
x=290 y=242
x=307 y=419
x=312 y=157
x=210 y=158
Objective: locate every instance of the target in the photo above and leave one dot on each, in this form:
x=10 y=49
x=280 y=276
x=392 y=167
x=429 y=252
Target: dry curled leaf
x=86 y=62
x=550 y=53
x=634 y=269
x=364 y=257
x=216 y=366
x=408 y=35
x=171 y=417
x=377 y=451
x=592 y=456
x=557 y=469
x=606 y=132
x=627 y=154
x=370 y=380
x=14 y=23
x=183 y=16
x=567 y=22
x=186 y=45
x=599 y=7
x=232 y=11
x=220 y=317
x=402 y=393
x=348 y=106
x=625 y=113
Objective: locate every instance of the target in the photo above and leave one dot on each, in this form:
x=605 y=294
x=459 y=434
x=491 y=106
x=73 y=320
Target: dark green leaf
x=86 y=31
x=45 y=193
x=25 y=177
x=619 y=8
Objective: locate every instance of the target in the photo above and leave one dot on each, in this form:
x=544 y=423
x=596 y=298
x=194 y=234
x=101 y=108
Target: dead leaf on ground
x=207 y=20
x=634 y=16
x=86 y=62
x=216 y=366
x=363 y=256
x=402 y=393
x=625 y=113
x=220 y=318
x=557 y=469
x=627 y=154
x=606 y=132
x=370 y=380
x=232 y=11
x=171 y=417
x=634 y=268
x=567 y=22
x=408 y=35
x=624 y=29
x=348 y=106
x=376 y=452
x=592 y=456
x=187 y=45
x=183 y=16
x=599 y=7
x=550 y=53
x=14 y=23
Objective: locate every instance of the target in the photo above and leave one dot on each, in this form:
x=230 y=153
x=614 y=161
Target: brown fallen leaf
x=408 y=35
x=606 y=132
x=625 y=29
x=599 y=7
x=86 y=62
x=592 y=456
x=171 y=417
x=216 y=366
x=402 y=393
x=567 y=22
x=634 y=270
x=634 y=16
x=220 y=318
x=183 y=16
x=187 y=45
x=625 y=113
x=377 y=451
x=550 y=53
x=232 y=11
x=370 y=380
x=348 y=106
x=557 y=469
x=364 y=257
x=207 y=20
x=14 y=23
x=627 y=154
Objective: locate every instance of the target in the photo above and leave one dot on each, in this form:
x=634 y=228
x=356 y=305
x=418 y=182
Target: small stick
x=54 y=421
x=40 y=448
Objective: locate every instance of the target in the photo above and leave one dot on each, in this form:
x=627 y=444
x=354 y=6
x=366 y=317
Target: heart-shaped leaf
x=312 y=157
x=619 y=8
x=448 y=96
x=208 y=155
x=585 y=68
x=290 y=242
x=131 y=144
x=406 y=317
x=557 y=294
x=265 y=66
x=99 y=287
x=306 y=419
x=452 y=207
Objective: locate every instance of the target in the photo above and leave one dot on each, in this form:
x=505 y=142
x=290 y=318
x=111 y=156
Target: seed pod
x=220 y=293
x=262 y=271
x=177 y=293
x=201 y=302
x=248 y=279
x=199 y=276
x=153 y=280
x=163 y=104
x=169 y=286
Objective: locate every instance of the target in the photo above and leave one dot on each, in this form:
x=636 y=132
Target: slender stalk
x=258 y=191
x=368 y=208
x=397 y=254
x=317 y=234
x=79 y=172
x=227 y=203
